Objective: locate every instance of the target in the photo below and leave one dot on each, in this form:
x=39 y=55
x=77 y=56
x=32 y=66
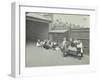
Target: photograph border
x=17 y=68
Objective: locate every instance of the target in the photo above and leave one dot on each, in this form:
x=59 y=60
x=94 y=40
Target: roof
x=58 y=31
x=37 y=16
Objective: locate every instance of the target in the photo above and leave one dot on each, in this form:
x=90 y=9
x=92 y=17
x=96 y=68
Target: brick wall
x=82 y=34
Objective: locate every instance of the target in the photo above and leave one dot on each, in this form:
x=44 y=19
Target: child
x=80 y=48
x=38 y=44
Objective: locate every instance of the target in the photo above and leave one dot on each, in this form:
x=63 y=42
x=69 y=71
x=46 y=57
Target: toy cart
x=73 y=51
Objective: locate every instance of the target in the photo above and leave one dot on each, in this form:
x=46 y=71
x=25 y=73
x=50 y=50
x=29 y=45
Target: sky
x=82 y=20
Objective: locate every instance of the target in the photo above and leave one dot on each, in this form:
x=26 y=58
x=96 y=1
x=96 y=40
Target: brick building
x=37 y=26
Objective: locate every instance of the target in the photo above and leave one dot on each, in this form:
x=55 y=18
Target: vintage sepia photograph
x=56 y=39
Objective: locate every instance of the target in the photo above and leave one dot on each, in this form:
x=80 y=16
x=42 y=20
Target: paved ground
x=41 y=57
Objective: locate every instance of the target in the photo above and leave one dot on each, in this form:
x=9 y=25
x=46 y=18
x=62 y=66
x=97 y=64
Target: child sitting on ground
x=38 y=44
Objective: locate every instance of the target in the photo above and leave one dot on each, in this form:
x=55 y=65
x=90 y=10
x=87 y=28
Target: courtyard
x=37 y=56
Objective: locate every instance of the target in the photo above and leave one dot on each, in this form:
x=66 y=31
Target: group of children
x=47 y=44
x=73 y=45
